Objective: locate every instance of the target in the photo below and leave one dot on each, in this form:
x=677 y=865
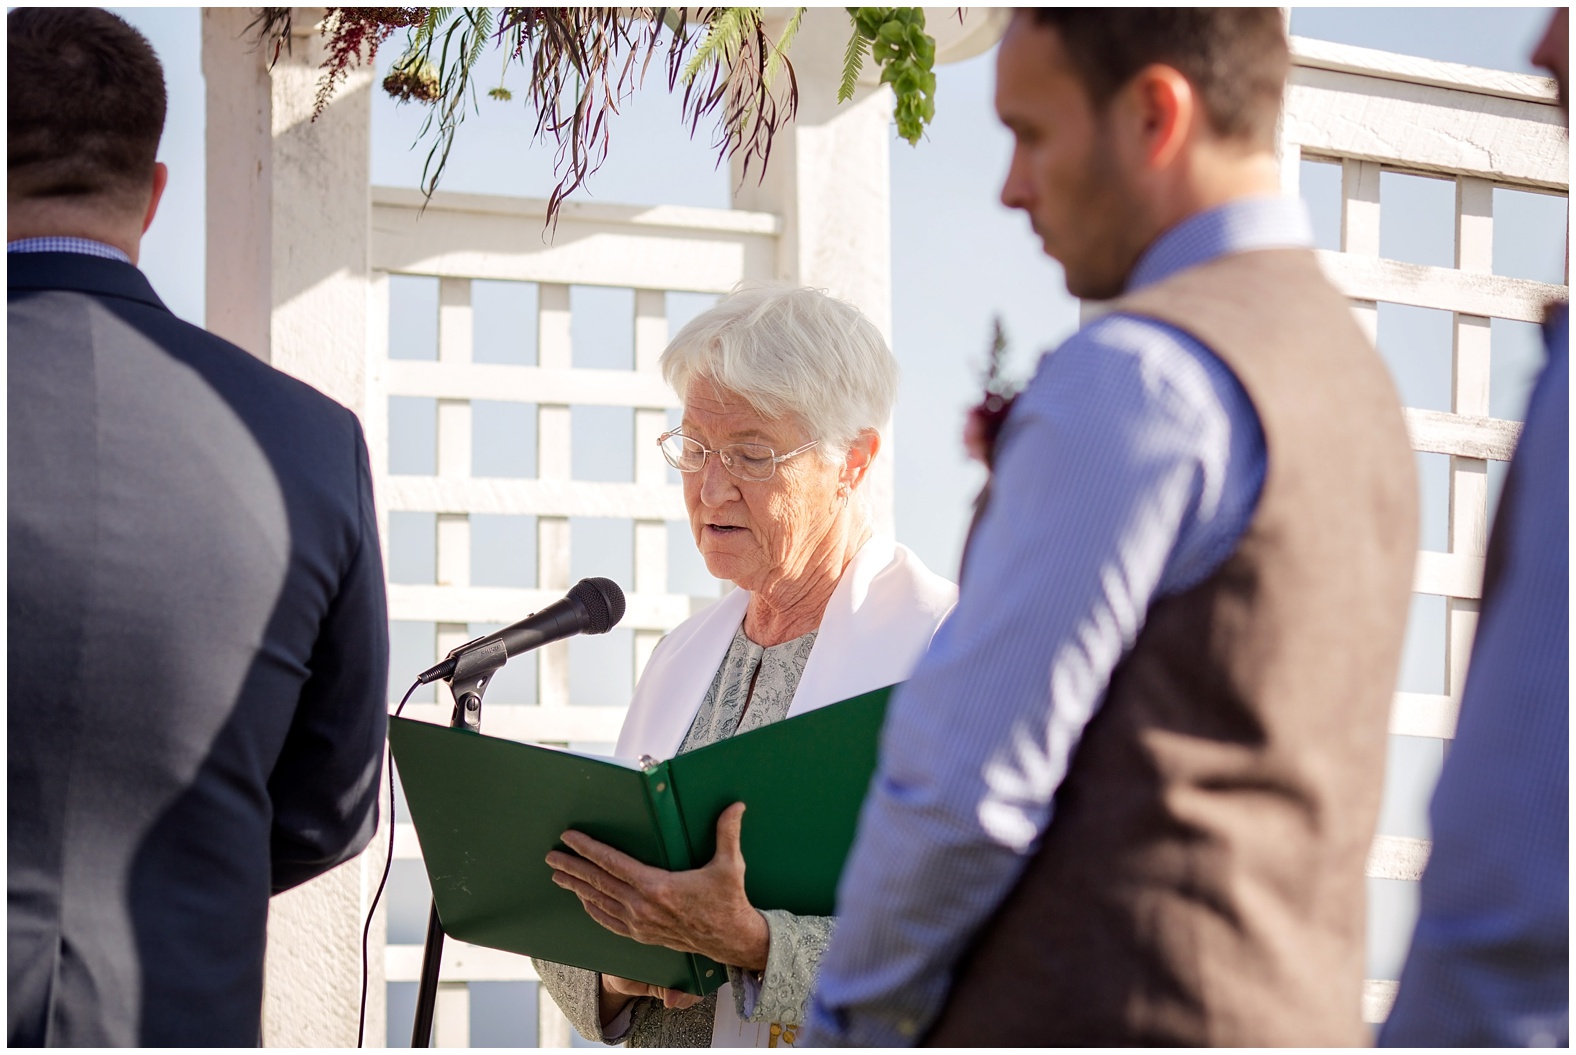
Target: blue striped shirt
x=1128 y=470
x=67 y=244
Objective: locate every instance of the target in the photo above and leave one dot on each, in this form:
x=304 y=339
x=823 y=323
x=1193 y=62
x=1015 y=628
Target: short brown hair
x=1236 y=58
x=86 y=105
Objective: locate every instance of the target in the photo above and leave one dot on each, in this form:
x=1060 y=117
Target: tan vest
x=1201 y=880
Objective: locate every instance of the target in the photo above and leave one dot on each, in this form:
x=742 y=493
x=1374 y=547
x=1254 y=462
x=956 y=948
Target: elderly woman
x=784 y=392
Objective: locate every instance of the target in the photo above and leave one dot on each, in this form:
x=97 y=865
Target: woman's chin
x=730 y=567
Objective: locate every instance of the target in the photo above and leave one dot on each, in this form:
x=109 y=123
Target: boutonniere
x=985 y=418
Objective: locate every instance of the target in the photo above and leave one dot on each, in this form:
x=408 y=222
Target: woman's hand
x=702 y=911
x=616 y=992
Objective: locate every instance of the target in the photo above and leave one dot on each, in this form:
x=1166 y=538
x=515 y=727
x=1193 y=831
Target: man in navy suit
x=198 y=632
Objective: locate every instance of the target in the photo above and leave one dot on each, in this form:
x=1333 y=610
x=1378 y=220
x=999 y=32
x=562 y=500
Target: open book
x=488 y=810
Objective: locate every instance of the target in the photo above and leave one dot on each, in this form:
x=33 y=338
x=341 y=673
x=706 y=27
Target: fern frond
x=853 y=62
x=784 y=42
x=724 y=34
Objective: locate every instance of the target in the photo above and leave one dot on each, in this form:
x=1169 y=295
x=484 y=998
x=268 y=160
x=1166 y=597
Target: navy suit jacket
x=198 y=657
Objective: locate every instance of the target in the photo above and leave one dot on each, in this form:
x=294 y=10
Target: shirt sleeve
x=781 y=993
x=1117 y=465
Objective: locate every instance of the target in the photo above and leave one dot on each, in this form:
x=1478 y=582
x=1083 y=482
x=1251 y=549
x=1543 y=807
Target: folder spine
x=665 y=814
x=669 y=820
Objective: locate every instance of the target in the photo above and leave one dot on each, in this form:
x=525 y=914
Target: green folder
x=488 y=810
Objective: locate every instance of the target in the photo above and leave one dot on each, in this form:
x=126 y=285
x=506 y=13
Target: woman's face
x=753 y=533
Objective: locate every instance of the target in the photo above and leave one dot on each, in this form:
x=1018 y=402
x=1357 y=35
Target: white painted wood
x=1448 y=574
x=1397 y=857
x=1426 y=128
x=375 y=415
x=1470 y=374
x=645 y=643
x=552 y=554
x=1439 y=287
x=547 y=497
x=451 y=1020
x=529 y=384
x=1345 y=58
x=462 y=962
x=1436 y=432
x=1469 y=506
x=553 y=339
x=538 y=725
x=553 y=467
x=1359 y=228
x=552 y=574
x=239 y=163
x=1359 y=208
x=1474 y=225
x=455 y=337
x=1470 y=365
x=451 y=634
x=651 y=469
x=668 y=220
x=1461 y=623
x=660 y=247
x=406 y=845
x=651 y=329
x=454 y=550
x=552 y=1028
x=1288 y=156
x=651 y=557
x=493 y=604
x=1378 y=999
x=454 y=438
x=370 y=864
x=1422 y=714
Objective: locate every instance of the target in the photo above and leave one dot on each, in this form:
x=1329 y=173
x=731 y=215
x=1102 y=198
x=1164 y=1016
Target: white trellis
x=464 y=237
x=461 y=238
x=1374 y=112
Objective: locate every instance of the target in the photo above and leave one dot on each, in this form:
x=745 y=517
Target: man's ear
x=161 y=179
x=856 y=463
x=1165 y=109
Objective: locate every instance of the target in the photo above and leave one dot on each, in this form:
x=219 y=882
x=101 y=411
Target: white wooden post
x=651 y=536
x=451 y=1020
x=830 y=181
x=1360 y=228
x=553 y=352
x=288 y=249
x=1469 y=397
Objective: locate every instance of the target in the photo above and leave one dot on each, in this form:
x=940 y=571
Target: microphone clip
x=473 y=671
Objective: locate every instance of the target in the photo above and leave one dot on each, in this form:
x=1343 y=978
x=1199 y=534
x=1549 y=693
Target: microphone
x=593 y=606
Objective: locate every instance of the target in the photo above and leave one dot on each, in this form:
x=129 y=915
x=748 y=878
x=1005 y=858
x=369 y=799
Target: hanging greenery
x=895 y=37
x=583 y=62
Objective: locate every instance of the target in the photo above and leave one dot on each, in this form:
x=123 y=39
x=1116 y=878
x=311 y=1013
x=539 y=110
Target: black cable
x=388 y=862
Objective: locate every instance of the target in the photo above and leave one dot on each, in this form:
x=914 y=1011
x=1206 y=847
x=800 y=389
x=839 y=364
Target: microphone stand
x=472 y=672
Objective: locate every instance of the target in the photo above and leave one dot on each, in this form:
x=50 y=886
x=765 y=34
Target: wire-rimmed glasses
x=755 y=462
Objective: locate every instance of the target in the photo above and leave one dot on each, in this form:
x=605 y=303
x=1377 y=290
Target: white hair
x=791 y=350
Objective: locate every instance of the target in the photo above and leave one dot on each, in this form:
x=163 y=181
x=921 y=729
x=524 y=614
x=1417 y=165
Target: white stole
x=877 y=625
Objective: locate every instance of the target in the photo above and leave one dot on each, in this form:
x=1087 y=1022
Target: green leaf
x=853 y=62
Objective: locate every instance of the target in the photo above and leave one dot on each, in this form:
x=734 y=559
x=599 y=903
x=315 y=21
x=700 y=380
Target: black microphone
x=593 y=606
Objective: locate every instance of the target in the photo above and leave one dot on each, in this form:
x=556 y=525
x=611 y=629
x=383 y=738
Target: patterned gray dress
x=754 y=686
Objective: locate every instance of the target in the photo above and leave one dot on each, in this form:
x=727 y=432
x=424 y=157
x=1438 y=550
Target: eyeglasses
x=747 y=461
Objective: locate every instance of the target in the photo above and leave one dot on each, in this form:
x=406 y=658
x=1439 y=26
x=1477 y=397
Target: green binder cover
x=488 y=810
